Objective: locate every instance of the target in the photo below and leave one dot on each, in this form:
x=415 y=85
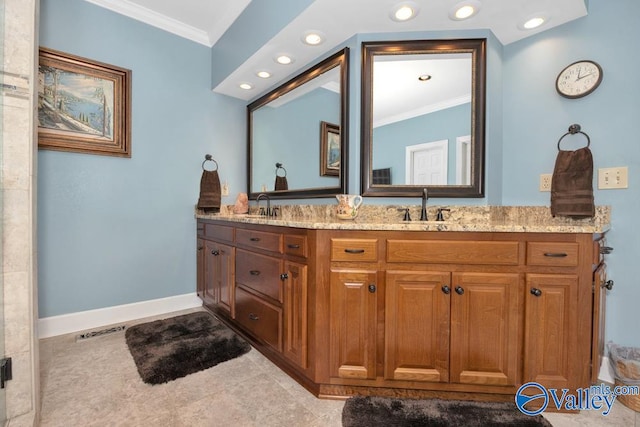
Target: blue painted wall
x=114 y=231
x=535 y=117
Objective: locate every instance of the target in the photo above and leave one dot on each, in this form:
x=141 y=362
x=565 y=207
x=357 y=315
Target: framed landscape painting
x=84 y=106
x=329 y=149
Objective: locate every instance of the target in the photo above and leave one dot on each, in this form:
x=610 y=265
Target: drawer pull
x=446 y=289
x=608 y=284
x=253 y=317
x=372 y=288
x=254 y=239
x=293 y=246
x=254 y=272
x=459 y=290
x=555 y=254
x=215 y=252
x=354 y=251
x=606 y=250
x=536 y=292
x=284 y=276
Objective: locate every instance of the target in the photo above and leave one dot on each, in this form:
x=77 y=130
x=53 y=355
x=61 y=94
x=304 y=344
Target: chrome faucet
x=423 y=212
x=261 y=211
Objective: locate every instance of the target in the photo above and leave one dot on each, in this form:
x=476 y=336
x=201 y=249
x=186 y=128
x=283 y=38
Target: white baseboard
x=606 y=371
x=83 y=320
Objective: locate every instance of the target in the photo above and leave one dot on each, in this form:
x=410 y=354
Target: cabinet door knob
x=536 y=292
x=608 y=284
x=200 y=248
x=215 y=252
x=446 y=289
x=253 y=317
x=459 y=290
x=284 y=276
x=372 y=288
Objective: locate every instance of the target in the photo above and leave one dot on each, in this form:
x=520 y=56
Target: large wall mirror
x=298 y=135
x=423 y=118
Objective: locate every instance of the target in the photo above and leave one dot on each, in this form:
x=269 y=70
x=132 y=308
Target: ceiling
x=205 y=21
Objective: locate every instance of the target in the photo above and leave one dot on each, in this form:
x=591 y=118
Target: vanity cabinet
x=256 y=281
x=415 y=313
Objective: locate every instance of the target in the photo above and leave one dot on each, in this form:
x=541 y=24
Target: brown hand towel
x=572 y=184
x=281 y=183
x=210 y=193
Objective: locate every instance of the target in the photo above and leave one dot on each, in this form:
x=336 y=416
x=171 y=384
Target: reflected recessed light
x=313 y=38
x=424 y=77
x=263 y=74
x=534 y=22
x=404 y=11
x=284 y=59
x=245 y=86
x=464 y=10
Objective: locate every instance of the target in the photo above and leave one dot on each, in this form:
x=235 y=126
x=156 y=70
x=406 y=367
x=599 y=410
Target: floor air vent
x=99 y=333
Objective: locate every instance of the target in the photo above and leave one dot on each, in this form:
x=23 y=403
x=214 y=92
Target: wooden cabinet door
x=295 y=312
x=485 y=332
x=417 y=326
x=353 y=323
x=219 y=276
x=200 y=261
x=599 y=304
x=550 y=335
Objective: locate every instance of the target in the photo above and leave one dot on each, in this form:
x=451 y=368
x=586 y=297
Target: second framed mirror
x=423 y=118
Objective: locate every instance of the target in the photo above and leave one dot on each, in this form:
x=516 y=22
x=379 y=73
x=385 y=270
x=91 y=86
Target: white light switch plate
x=612 y=178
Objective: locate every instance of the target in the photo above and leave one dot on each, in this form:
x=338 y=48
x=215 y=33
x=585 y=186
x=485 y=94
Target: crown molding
x=142 y=14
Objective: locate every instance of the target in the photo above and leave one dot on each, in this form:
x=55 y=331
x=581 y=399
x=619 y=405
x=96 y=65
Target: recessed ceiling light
x=263 y=74
x=313 y=38
x=424 y=77
x=245 y=86
x=464 y=10
x=404 y=11
x=284 y=59
x=534 y=22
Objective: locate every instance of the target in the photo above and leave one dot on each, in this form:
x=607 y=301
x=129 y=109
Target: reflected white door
x=426 y=164
x=463 y=160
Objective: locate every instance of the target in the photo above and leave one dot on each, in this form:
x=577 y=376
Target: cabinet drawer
x=261 y=319
x=354 y=249
x=260 y=273
x=295 y=245
x=264 y=240
x=558 y=254
x=452 y=252
x=218 y=232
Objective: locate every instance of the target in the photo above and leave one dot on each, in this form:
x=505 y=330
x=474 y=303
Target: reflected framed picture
x=329 y=149
x=84 y=106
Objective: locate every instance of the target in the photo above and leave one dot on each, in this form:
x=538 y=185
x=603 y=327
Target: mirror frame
x=339 y=59
x=477 y=48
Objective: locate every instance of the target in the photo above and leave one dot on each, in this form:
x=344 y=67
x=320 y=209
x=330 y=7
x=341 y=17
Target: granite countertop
x=514 y=219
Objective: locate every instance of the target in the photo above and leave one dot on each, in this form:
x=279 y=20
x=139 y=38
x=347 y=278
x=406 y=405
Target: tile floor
x=94 y=382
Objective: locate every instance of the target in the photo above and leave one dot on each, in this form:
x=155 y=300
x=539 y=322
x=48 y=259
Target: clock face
x=579 y=79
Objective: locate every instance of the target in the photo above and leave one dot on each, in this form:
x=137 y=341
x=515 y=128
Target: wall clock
x=579 y=79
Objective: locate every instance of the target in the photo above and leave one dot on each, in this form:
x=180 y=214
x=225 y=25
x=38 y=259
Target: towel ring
x=278 y=167
x=209 y=158
x=573 y=129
